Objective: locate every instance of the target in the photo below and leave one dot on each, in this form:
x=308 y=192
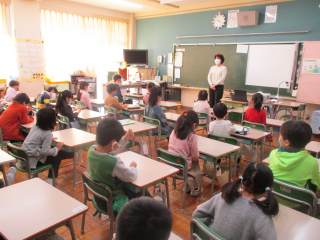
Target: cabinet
x=147 y=73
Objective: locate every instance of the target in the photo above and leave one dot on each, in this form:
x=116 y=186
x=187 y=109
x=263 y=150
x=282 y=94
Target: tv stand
x=147 y=73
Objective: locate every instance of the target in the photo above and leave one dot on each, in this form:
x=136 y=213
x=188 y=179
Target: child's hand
x=54 y=138
x=129 y=135
x=133 y=164
x=59 y=145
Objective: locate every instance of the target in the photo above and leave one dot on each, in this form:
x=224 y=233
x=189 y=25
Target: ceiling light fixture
x=130 y=4
x=169 y=1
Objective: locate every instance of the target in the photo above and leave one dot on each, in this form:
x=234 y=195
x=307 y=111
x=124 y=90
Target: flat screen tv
x=135 y=57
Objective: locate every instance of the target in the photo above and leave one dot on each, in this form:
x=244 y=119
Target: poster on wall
x=232 y=19
x=178 y=56
x=271 y=14
x=311 y=66
x=30 y=59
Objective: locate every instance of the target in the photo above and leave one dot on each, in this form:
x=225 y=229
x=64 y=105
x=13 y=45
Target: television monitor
x=135 y=57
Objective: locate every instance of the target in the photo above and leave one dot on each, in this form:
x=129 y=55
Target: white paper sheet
x=242 y=48
x=271 y=14
x=232 y=19
x=177 y=73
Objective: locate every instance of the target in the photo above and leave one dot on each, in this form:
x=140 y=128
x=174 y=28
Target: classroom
x=159 y=119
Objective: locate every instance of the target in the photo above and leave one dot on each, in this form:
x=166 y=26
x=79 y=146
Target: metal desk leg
x=150 y=145
x=230 y=172
x=4 y=175
x=74 y=168
x=167 y=190
x=177 y=110
x=214 y=175
x=252 y=150
x=235 y=164
x=143 y=192
x=317 y=155
x=262 y=148
x=73 y=237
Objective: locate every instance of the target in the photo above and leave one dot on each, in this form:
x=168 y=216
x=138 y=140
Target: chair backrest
x=302 y=107
x=226 y=139
x=295 y=194
x=19 y=154
x=63 y=120
x=79 y=103
x=153 y=121
x=173 y=159
x=257 y=126
x=201 y=232
x=203 y=115
x=111 y=111
x=98 y=190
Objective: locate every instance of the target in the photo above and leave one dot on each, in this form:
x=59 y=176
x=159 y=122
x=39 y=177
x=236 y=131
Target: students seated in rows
x=107 y=168
x=239 y=212
x=153 y=110
x=84 y=96
x=202 y=105
x=15 y=115
x=111 y=101
x=150 y=85
x=291 y=163
x=11 y=91
x=184 y=142
x=221 y=126
x=143 y=218
x=38 y=144
x=44 y=98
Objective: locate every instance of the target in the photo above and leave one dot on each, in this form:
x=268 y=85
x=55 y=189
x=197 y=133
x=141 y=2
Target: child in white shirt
x=221 y=126
x=202 y=105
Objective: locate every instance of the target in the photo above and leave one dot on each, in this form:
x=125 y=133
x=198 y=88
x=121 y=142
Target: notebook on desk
x=239 y=96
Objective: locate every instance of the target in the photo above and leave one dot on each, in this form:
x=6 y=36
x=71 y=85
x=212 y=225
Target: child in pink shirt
x=146 y=97
x=11 y=91
x=202 y=105
x=84 y=96
x=183 y=141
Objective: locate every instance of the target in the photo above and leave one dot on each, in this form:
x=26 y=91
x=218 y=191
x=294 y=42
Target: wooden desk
x=86 y=116
x=74 y=140
x=172 y=118
x=137 y=85
x=33 y=207
x=230 y=102
x=167 y=106
x=5 y=158
x=174 y=237
x=294 y=225
x=287 y=104
x=98 y=103
x=27 y=127
x=133 y=96
x=150 y=172
x=139 y=111
x=274 y=125
x=314 y=147
x=211 y=150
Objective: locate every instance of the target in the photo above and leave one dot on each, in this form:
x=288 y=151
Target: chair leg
x=111 y=229
x=73 y=236
x=99 y=215
x=174 y=183
x=184 y=195
x=214 y=176
x=53 y=177
x=82 y=223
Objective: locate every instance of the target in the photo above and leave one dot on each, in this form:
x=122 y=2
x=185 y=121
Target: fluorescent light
x=169 y=1
x=130 y=4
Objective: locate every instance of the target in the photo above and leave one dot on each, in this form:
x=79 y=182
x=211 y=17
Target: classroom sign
x=311 y=66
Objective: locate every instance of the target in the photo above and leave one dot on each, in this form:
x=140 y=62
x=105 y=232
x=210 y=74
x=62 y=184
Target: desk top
x=149 y=170
x=86 y=114
x=33 y=206
x=294 y=225
x=29 y=125
x=172 y=116
x=169 y=104
x=288 y=104
x=174 y=237
x=132 y=95
x=231 y=101
x=313 y=146
x=134 y=110
x=97 y=101
x=274 y=122
x=253 y=133
x=214 y=148
x=5 y=157
x=138 y=127
x=73 y=137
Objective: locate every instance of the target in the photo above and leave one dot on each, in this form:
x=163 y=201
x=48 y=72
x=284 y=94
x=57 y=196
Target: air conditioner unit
x=249 y=18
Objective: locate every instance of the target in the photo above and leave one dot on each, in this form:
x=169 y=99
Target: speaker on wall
x=249 y=18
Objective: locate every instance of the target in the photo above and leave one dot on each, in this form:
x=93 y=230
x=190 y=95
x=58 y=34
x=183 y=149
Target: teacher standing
x=216 y=77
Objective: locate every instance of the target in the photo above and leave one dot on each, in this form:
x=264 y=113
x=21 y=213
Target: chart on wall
x=311 y=66
x=30 y=59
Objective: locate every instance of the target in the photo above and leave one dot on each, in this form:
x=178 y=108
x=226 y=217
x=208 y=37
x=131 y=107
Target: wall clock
x=219 y=21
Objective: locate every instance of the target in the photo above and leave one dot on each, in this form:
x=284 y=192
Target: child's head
x=14 y=84
x=109 y=130
x=46 y=118
x=220 y=110
x=296 y=134
x=65 y=96
x=83 y=86
x=144 y=218
x=111 y=88
x=52 y=92
x=257 y=180
x=155 y=96
x=257 y=100
x=117 y=78
x=150 y=85
x=22 y=98
x=203 y=95
x=186 y=124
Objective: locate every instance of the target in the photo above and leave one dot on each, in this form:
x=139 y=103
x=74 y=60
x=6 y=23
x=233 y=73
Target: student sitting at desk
x=150 y=85
x=111 y=101
x=153 y=110
x=202 y=105
x=107 y=168
x=15 y=115
x=256 y=114
x=238 y=212
x=291 y=163
x=84 y=96
x=11 y=91
x=221 y=126
x=43 y=99
x=117 y=80
x=183 y=141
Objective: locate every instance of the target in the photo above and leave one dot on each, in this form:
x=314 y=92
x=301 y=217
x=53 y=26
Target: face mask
x=280 y=147
x=217 y=61
x=53 y=96
x=114 y=152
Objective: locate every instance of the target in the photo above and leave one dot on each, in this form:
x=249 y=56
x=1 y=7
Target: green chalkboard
x=197 y=61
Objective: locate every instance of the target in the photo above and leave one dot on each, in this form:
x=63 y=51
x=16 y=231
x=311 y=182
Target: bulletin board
x=30 y=60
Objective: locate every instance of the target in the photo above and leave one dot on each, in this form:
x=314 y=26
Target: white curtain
x=8 y=64
x=73 y=42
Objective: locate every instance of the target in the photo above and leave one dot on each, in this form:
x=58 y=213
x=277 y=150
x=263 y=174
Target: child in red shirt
x=256 y=114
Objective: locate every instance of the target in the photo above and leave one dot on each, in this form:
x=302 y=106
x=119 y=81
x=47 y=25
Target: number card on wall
x=30 y=60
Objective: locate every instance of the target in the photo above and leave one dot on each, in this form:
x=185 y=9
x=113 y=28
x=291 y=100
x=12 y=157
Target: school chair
x=288 y=194
x=111 y=112
x=156 y=122
x=101 y=191
x=64 y=122
x=261 y=127
x=199 y=231
x=5 y=142
x=177 y=161
x=203 y=115
x=301 y=108
x=79 y=103
x=21 y=154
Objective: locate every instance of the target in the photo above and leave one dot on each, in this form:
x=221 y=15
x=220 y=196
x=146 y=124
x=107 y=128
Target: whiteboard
x=268 y=65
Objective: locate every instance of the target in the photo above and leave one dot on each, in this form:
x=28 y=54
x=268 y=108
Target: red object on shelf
x=123 y=73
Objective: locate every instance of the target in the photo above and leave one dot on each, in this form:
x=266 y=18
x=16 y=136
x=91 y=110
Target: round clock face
x=219 y=21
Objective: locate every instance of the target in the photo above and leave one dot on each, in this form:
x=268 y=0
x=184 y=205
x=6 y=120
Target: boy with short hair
x=291 y=163
x=111 y=101
x=117 y=80
x=144 y=218
x=106 y=168
x=221 y=126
